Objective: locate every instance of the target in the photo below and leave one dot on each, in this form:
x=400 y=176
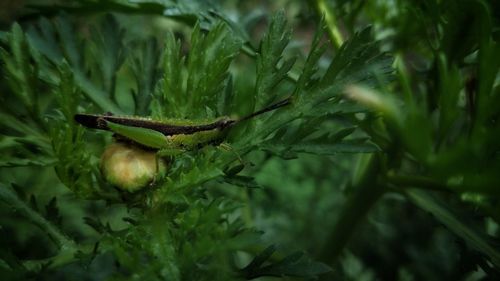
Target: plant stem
x=366 y=192
x=331 y=23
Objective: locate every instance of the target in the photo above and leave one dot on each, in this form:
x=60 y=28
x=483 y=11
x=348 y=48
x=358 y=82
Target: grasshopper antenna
x=272 y=107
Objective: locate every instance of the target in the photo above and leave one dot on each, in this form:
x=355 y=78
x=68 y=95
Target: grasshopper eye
x=129 y=167
x=102 y=123
x=226 y=122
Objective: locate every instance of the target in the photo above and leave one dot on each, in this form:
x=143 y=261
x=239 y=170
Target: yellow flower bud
x=130 y=167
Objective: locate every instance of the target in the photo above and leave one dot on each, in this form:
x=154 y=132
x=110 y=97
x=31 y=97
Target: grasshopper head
x=226 y=122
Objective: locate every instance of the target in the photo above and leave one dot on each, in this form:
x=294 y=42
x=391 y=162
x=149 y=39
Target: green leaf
x=20 y=162
x=358 y=61
x=233 y=170
x=52 y=212
x=208 y=65
x=304 y=139
x=28 y=150
x=21 y=74
x=470 y=235
x=243 y=181
x=9 y=197
x=259 y=259
x=170 y=89
x=98 y=226
x=193 y=88
x=108 y=42
x=310 y=68
x=449 y=91
x=460 y=30
x=323 y=148
x=271 y=67
x=74 y=166
x=56 y=41
x=294 y=265
x=145 y=66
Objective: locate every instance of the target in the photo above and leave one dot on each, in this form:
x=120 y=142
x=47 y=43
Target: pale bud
x=130 y=167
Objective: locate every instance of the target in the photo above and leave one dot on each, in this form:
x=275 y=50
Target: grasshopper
x=129 y=165
x=169 y=137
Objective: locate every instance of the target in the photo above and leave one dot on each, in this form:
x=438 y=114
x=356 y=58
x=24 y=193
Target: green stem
x=331 y=23
x=366 y=192
x=404 y=77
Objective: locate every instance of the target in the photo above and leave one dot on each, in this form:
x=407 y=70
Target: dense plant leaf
x=428 y=123
x=445 y=216
x=295 y=264
x=199 y=85
x=271 y=67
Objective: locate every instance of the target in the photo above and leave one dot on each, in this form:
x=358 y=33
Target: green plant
x=369 y=133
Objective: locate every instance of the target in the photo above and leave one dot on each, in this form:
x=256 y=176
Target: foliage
x=386 y=153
